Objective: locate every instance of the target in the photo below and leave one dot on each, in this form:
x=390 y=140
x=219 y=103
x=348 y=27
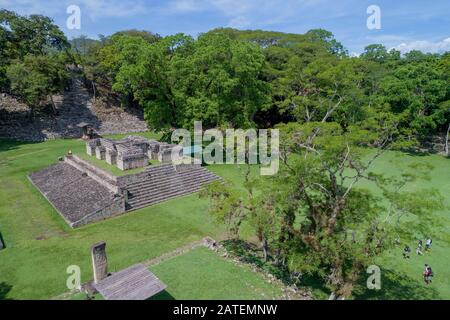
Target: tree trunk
x=93 y=89
x=446 y=141
x=334 y=296
x=55 y=111
x=265 y=248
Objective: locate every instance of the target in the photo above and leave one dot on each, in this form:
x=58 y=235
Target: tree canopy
x=33 y=57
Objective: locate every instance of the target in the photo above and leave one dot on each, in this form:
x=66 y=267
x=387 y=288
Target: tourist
x=406 y=252
x=428 y=274
x=419 y=251
x=428 y=244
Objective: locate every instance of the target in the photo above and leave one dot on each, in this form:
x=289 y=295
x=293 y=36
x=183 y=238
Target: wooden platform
x=133 y=283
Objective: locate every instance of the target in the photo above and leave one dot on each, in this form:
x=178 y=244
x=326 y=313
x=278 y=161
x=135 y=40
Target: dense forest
x=231 y=78
x=329 y=106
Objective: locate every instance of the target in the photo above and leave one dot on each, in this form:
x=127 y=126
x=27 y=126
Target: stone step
x=146 y=203
x=166 y=175
x=175 y=178
x=160 y=189
x=160 y=169
x=196 y=171
x=152 y=190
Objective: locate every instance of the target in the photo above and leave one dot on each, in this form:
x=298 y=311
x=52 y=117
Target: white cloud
x=185 y=6
x=239 y=23
x=242 y=13
x=425 y=46
x=113 y=8
x=32 y=7
x=91 y=8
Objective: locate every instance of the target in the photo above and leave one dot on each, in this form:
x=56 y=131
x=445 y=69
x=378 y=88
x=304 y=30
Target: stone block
x=111 y=157
x=100 y=153
x=99 y=261
x=90 y=150
x=171 y=154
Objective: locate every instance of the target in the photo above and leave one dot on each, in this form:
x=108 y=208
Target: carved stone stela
x=99 y=261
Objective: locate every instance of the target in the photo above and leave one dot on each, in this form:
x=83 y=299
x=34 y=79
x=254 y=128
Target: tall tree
x=37 y=78
x=21 y=36
x=319 y=221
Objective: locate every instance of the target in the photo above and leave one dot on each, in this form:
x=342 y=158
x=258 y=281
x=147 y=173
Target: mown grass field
x=202 y=274
x=402 y=278
x=40 y=246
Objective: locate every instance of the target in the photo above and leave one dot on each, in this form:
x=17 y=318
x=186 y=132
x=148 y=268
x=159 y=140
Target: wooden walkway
x=133 y=283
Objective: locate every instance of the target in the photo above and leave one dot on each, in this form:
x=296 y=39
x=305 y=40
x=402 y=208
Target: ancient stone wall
x=132 y=163
x=104 y=178
x=114 y=209
x=73 y=107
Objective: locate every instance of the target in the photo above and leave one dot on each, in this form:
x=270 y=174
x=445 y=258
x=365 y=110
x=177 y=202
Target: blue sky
x=406 y=25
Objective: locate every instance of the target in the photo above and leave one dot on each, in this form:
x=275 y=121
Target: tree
x=447 y=137
x=178 y=80
x=231 y=207
x=328 y=39
x=218 y=82
x=21 y=36
x=140 y=73
x=375 y=52
x=35 y=34
x=415 y=92
x=146 y=35
x=37 y=78
x=320 y=222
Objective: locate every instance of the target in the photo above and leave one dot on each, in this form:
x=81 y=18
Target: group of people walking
x=428 y=272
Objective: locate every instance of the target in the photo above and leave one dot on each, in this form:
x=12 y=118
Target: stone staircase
x=73 y=107
x=166 y=182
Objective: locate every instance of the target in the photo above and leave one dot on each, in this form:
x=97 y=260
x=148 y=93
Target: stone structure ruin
x=133 y=283
x=99 y=261
x=83 y=193
x=78 y=116
x=133 y=151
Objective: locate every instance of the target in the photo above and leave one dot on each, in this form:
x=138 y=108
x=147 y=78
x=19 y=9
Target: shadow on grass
x=418 y=153
x=4 y=290
x=9 y=144
x=396 y=286
x=163 y=295
x=319 y=290
x=249 y=253
x=2 y=242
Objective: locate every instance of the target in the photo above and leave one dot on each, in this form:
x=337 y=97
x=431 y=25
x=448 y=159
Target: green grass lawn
x=40 y=246
x=32 y=268
x=203 y=274
x=402 y=279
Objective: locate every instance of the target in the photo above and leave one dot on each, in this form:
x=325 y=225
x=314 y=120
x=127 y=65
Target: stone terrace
x=83 y=193
x=73 y=194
